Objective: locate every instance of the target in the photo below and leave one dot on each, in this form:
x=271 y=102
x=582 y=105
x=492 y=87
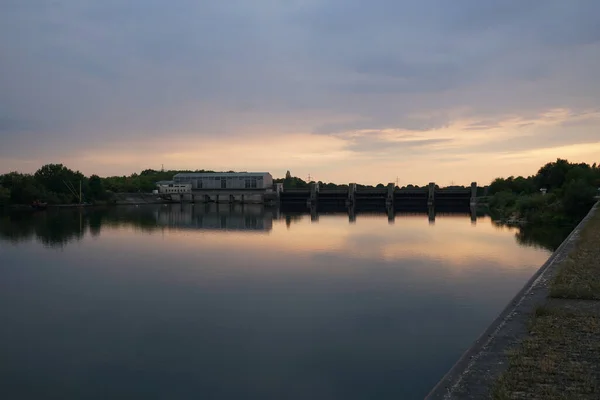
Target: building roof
x=209 y=174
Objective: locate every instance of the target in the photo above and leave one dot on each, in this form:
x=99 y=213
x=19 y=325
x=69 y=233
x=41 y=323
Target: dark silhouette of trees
x=569 y=188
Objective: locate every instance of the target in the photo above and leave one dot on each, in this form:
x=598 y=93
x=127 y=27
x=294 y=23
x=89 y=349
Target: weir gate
x=351 y=196
x=377 y=198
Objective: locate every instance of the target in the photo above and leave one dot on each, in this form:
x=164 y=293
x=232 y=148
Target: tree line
x=560 y=192
x=293 y=182
x=570 y=188
x=57 y=184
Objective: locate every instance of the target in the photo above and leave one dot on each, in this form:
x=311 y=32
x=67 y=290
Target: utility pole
x=309 y=178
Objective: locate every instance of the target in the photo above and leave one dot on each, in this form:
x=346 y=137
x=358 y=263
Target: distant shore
x=120 y=199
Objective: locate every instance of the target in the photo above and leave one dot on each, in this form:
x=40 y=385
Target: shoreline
x=476 y=372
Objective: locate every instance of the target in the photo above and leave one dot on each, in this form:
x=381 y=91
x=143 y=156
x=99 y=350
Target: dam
x=245 y=187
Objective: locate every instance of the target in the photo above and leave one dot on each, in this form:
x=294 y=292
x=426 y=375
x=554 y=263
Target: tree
x=26 y=190
x=58 y=179
x=288 y=175
x=553 y=175
x=4 y=196
x=578 y=197
x=96 y=188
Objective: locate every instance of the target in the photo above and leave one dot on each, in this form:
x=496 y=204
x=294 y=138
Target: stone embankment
x=546 y=343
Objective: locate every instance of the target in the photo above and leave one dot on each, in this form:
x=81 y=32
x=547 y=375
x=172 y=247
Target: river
x=195 y=302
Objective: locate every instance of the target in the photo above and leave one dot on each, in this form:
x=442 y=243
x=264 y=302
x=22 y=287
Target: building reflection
x=234 y=217
x=57 y=228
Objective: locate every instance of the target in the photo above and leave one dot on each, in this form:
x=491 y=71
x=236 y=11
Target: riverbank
x=118 y=199
x=546 y=343
x=560 y=357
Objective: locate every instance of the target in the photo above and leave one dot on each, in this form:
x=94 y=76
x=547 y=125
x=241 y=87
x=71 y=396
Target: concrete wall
x=226 y=181
x=220 y=196
x=474 y=374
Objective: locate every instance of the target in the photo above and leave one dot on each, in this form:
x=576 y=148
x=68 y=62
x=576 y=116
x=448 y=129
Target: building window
x=223 y=183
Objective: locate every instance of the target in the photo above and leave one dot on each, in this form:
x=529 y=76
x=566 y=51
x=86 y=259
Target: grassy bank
x=560 y=357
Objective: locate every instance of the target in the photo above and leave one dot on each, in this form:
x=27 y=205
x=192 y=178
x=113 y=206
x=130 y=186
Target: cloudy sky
x=344 y=90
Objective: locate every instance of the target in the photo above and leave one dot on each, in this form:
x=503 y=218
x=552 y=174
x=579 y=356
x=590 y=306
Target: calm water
x=188 y=302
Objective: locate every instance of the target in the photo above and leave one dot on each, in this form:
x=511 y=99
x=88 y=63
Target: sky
x=344 y=90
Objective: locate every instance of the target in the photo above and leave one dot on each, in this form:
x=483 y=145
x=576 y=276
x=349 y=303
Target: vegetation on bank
x=560 y=357
x=293 y=182
x=558 y=361
x=57 y=184
x=570 y=190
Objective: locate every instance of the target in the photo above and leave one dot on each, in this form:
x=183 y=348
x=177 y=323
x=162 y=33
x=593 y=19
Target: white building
x=171 y=187
x=225 y=180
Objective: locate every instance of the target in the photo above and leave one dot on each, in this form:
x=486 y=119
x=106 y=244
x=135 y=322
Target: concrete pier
x=351 y=214
x=314 y=192
x=314 y=215
x=390 y=194
x=431 y=194
x=352 y=193
x=473 y=193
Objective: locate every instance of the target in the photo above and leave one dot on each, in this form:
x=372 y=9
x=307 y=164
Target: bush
x=4 y=196
x=578 y=197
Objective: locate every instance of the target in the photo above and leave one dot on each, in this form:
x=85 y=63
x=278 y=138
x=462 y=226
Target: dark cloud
x=93 y=72
x=385 y=121
x=540 y=137
x=375 y=144
x=482 y=125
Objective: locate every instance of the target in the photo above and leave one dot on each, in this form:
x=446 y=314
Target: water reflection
x=236 y=217
x=57 y=228
x=224 y=302
x=547 y=237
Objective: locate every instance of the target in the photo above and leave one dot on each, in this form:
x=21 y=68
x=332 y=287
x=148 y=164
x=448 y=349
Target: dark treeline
x=293 y=182
x=570 y=190
x=57 y=184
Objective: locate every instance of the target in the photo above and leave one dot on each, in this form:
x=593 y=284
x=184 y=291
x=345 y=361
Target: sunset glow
x=345 y=94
